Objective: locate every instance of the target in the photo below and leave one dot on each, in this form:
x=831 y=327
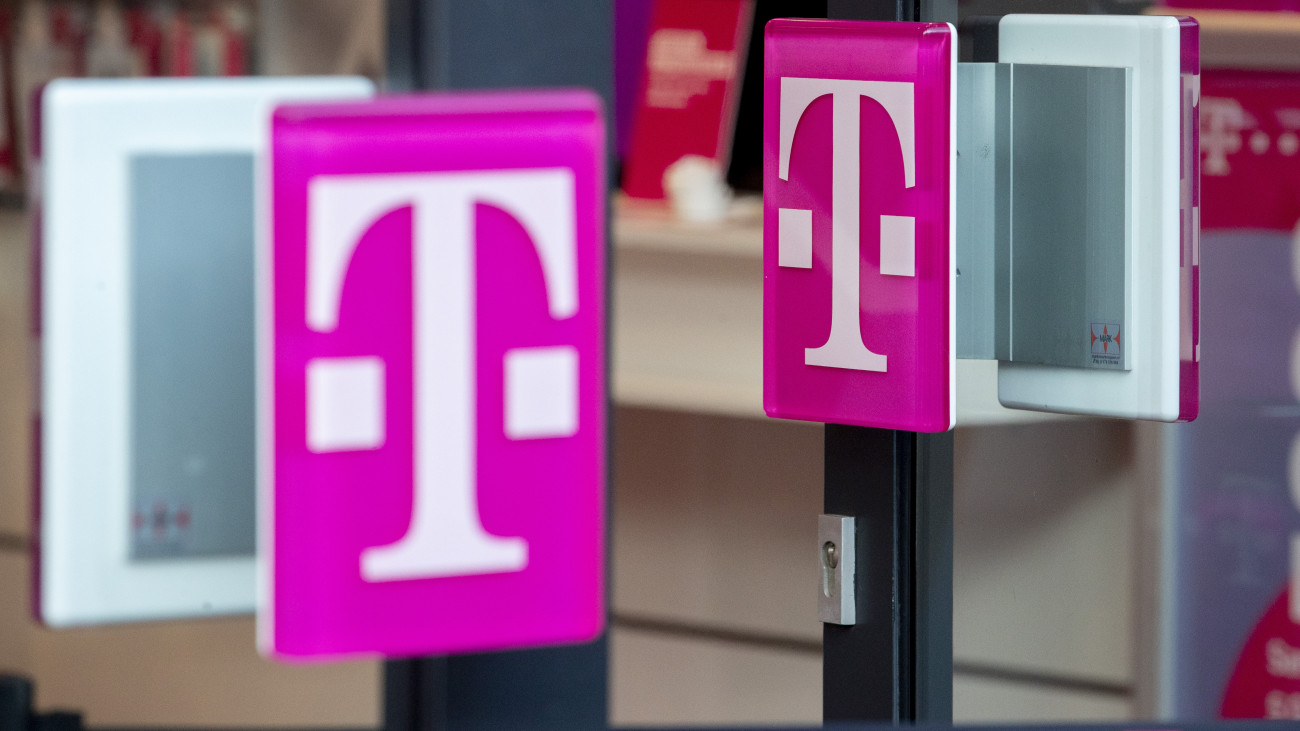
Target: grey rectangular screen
x=192 y=369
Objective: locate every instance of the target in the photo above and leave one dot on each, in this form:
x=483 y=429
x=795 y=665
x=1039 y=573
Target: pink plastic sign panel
x=858 y=248
x=433 y=369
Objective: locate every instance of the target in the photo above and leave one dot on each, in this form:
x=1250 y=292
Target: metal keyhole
x=830 y=560
x=837 y=551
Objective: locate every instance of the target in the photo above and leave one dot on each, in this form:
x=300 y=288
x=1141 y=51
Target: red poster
x=690 y=86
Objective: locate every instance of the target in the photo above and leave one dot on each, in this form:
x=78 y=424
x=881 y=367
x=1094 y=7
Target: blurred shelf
x=688 y=320
x=648 y=227
x=1238 y=39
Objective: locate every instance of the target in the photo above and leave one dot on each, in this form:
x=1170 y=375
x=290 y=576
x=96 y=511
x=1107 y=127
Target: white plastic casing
x=1149 y=46
x=91 y=131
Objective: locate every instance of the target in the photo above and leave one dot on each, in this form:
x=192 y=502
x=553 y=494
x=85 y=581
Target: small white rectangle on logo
x=541 y=392
x=794 y=238
x=345 y=404
x=898 y=246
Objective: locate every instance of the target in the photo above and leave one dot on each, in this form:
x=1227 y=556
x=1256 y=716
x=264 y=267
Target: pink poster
x=1266 y=680
x=1250 y=150
x=433 y=374
x=1234 y=489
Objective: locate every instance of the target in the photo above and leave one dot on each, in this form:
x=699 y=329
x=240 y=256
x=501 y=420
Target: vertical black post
x=414 y=693
x=404 y=67
x=480 y=44
x=895 y=664
x=15 y=702
x=476 y=44
x=552 y=688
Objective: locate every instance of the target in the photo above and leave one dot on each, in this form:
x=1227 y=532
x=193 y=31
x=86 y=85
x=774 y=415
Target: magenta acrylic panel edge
x=435 y=453
x=858 y=319
x=1189 y=367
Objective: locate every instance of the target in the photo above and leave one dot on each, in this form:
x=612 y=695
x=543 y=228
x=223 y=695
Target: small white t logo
x=844 y=348
x=345 y=396
x=1222 y=121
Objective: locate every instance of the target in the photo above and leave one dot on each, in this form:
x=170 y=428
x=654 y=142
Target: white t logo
x=345 y=396
x=1221 y=123
x=844 y=348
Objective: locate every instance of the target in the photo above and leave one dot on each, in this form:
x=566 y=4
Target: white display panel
x=147 y=439
x=1149 y=47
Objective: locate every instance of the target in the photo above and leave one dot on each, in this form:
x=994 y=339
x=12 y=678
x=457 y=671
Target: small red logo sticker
x=1105 y=339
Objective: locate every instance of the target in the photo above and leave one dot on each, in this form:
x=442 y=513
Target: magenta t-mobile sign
x=858 y=260
x=433 y=441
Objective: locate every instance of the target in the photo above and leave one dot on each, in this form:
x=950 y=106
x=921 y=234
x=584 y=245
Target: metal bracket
x=836 y=549
x=1042 y=238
